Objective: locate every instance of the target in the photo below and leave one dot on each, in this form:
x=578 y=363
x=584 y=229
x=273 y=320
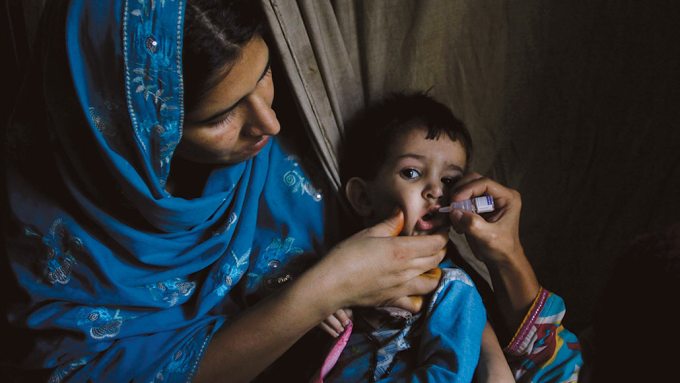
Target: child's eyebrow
x=421 y=157
x=410 y=155
x=454 y=167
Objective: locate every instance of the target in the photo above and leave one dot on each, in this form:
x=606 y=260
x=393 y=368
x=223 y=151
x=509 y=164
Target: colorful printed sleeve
x=542 y=350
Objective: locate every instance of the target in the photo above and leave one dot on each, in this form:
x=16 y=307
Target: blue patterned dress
x=442 y=344
x=121 y=280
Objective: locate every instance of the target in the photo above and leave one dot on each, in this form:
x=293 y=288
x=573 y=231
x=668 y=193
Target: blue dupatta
x=130 y=281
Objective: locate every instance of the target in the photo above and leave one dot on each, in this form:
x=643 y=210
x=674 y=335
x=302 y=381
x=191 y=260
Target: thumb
x=461 y=220
x=390 y=227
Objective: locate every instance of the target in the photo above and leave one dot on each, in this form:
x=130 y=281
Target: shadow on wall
x=592 y=144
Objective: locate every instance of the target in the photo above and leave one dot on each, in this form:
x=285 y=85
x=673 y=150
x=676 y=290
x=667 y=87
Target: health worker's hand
x=494 y=239
x=494 y=236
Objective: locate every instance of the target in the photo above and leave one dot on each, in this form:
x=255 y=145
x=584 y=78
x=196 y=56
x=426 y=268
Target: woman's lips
x=257 y=146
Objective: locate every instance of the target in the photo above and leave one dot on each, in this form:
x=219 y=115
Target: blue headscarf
x=132 y=281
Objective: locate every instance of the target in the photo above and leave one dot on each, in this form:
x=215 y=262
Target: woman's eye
x=410 y=173
x=222 y=121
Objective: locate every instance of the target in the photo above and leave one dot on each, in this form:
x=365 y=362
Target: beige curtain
x=324 y=82
x=341 y=55
x=571 y=103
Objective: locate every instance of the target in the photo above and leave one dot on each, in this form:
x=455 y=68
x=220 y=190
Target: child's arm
x=336 y=323
x=492 y=366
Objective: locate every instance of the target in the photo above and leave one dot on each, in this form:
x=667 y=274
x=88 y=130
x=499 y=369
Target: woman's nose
x=262 y=119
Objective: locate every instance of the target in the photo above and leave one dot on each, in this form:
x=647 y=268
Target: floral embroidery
x=153 y=87
x=150 y=90
x=145 y=8
x=231 y=272
x=99 y=322
x=298 y=182
x=172 y=290
x=105 y=125
x=278 y=249
x=230 y=222
x=60 y=247
x=61 y=372
x=182 y=362
x=272 y=262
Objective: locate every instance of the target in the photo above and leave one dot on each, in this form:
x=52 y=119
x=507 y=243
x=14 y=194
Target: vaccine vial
x=481 y=204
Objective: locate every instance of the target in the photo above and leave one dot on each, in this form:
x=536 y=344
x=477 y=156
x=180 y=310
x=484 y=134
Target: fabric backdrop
x=574 y=104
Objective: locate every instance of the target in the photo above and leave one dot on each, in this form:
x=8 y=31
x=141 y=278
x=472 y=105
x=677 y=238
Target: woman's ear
x=356 y=192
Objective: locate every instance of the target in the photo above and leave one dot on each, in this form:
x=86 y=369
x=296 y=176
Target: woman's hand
x=371 y=268
x=494 y=239
x=376 y=268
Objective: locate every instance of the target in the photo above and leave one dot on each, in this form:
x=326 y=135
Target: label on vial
x=484 y=204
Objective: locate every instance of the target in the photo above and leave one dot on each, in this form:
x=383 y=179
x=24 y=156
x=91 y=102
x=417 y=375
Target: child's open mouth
x=431 y=221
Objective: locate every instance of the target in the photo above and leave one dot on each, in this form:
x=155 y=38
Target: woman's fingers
x=424 y=246
x=372 y=267
x=411 y=304
x=461 y=221
x=493 y=237
x=473 y=185
x=391 y=227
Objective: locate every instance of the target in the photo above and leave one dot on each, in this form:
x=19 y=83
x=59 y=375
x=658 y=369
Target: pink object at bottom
x=333 y=355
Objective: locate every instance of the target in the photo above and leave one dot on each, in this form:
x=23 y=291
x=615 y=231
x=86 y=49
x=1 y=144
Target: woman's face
x=234 y=120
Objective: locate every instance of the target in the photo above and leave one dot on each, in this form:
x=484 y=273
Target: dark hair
x=214 y=33
x=371 y=134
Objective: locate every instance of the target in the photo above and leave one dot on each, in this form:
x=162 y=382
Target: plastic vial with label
x=481 y=204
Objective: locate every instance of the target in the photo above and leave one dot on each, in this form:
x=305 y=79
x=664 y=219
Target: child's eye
x=410 y=173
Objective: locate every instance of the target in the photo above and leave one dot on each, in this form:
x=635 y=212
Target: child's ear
x=356 y=192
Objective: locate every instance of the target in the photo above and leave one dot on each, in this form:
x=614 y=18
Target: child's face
x=417 y=176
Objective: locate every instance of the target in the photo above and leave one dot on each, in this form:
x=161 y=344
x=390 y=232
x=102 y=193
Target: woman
x=152 y=210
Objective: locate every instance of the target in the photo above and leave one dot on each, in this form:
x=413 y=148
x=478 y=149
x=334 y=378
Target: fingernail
x=435 y=273
x=457 y=214
x=346 y=323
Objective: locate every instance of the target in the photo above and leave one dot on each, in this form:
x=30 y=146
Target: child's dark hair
x=214 y=33
x=369 y=136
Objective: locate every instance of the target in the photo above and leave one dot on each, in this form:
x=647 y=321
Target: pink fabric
x=520 y=339
x=333 y=355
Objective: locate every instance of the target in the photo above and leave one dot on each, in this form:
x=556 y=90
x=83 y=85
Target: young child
x=407 y=152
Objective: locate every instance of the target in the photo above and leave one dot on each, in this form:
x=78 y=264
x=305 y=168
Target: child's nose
x=434 y=191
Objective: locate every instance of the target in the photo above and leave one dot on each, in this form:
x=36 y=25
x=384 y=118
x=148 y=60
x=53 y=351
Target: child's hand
x=335 y=323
